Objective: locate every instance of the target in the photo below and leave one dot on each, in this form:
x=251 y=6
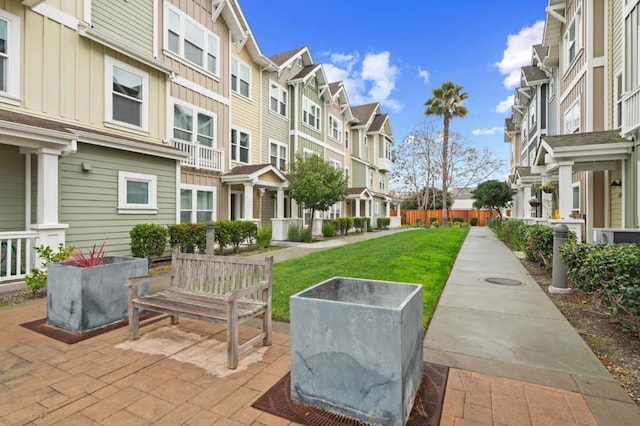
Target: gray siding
x=130 y=22
x=552 y=115
x=312 y=94
x=12 y=190
x=89 y=200
x=358 y=174
x=274 y=126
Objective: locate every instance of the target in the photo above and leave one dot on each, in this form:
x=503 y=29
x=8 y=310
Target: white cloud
x=505 y=105
x=424 y=74
x=371 y=80
x=487 y=132
x=518 y=53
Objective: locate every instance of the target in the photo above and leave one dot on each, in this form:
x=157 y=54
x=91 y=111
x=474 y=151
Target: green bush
x=435 y=224
x=537 y=243
x=294 y=233
x=305 y=236
x=242 y=231
x=466 y=225
x=513 y=231
x=359 y=223
x=343 y=224
x=473 y=221
x=188 y=237
x=328 y=229
x=384 y=222
x=37 y=279
x=433 y=219
x=148 y=241
x=458 y=220
x=263 y=240
x=222 y=231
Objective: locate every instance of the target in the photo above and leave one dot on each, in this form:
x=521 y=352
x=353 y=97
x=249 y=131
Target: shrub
x=305 y=236
x=148 y=240
x=343 y=224
x=465 y=225
x=359 y=223
x=512 y=230
x=433 y=219
x=537 y=243
x=435 y=224
x=242 y=231
x=294 y=233
x=263 y=240
x=222 y=232
x=94 y=257
x=473 y=221
x=384 y=222
x=188 y=236
x=37 y=279
x=328 y=229
x=458 y=220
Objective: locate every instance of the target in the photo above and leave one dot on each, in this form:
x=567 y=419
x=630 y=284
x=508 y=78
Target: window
x=617 y=108
x=335 y=128
x=346 y=174
x=532 y=113
x=137 y=193
x=388 y=153
x=381 y=183
x=310 y=113
x=240 y=77
x=334 y=210
x=306 y=153
x=552 y=88
x=575 y=207
x=193 y=126
x=376 y=208
x=365 y=140
x=127 y=99
x=573 y=39
x=277 y=99
x=370 y=178
x=240 y=146
x=191 y=41
x=278 y=155
x=346 y=139
x=572 y=118
x=9 y=57
x=196 y=204
x=336 y=164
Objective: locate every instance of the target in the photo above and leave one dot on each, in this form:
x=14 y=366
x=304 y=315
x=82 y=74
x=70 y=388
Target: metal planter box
x=82 y=299
x=356 y=348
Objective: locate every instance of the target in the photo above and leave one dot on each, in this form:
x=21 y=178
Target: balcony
x=200 y=156
x=631 y=111
x=384 y=164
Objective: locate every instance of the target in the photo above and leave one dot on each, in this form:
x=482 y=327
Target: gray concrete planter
x=356 y=348
x=82 y=299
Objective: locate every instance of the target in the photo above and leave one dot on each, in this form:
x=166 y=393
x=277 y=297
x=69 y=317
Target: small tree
x=316 y=184
x=492 y=195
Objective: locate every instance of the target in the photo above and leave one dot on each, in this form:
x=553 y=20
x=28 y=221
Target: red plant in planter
x=95 y=257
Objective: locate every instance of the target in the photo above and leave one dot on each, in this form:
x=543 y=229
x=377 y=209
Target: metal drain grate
x=502 y=281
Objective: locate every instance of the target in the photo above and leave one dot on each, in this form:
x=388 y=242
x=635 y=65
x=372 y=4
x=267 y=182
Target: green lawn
x=422 y=256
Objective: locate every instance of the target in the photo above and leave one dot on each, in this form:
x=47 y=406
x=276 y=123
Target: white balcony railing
x=384 y=164
x=17 y=257
x=200 y=156
x=631 y=111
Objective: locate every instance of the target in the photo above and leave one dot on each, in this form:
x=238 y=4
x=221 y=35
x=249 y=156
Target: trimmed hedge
x=384 y=222
x=148 y=241
x=328 y=229
x=343 y=224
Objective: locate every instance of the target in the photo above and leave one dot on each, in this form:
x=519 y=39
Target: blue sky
x=397 y=52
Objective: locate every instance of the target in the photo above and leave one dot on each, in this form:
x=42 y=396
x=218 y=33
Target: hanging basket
x=534 y=202
x=548 y=188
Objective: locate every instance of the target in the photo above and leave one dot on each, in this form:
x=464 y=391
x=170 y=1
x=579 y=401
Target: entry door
x=237 y=206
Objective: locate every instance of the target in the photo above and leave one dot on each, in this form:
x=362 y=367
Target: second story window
x=240 y=77
x=278 y=155
x=127 y=95
x=370 y=178
x=193 y=126
x=335 y=128
x=240 y=142
x=617 y=90
x=573 y=39
x=277 y=99
x=346 y=139
x=191 y=41
x=310 y=113
x=9 y=55
x=572 y=119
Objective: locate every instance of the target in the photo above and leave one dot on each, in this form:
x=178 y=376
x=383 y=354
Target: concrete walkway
x=515 y=358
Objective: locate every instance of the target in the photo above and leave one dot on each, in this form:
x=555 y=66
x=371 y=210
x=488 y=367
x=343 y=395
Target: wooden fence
x=410 y=217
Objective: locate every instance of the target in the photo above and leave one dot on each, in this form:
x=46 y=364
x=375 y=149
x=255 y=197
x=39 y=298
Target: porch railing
x=200 y=156
x=631 y=111
x=17 y=257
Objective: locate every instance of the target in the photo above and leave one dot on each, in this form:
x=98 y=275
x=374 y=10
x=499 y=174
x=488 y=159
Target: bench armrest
x=136 y=281
x=242 y=292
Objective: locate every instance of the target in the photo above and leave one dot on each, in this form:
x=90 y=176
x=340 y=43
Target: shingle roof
x=281 y=58
x=362 y=113
x=523 y=171
x=533 y=74
x=541 y=51
x=580 y=139
x=335 y=86
x=34 y=121
x=509 y=126
x=246 y=170
x=378 y=122
x=309 y=69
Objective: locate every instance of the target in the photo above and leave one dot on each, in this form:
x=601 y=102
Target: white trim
x=279 y=144
x=240 y=63
x=86 y=12
x=181 y=81
x=156 y=27
x=282 y=90
x=11 y=94
x=237 y=160
x=571 y=86
x=324 y=145
x=307 y=102
x=573 y=186
x=194 y=130
x=571 y=107
x=57 y=15
x=110 y=63
x=340 y=128
x=194 y=201
x=129 y=145
x=125 y=208
x=628 y=8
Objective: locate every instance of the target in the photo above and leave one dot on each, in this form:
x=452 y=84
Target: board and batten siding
x=129 y=22
x=12 y=190
x=274 y=126
x=89 y=199
x=245 y=113
x=615 y=37
x=77 y=66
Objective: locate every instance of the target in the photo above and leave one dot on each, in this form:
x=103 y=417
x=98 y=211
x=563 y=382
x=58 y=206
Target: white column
x=387 y=212
x=248 y=201
x=526 y=195
x=547 y=199
x=294 y=209
x=280 y=204
x=367 y=208
x=357 y=203
x=565 y=189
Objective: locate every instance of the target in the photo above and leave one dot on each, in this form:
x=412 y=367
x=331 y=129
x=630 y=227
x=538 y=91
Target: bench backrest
x=219 y=274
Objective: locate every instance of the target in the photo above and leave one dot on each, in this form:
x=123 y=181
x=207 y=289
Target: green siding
x=129 y=22
x=359 y=174
x=307 y=144
x=89 y=200
x=12 y=190
x=312 y=94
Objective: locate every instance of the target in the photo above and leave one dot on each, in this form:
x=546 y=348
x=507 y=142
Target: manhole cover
x=502 y=281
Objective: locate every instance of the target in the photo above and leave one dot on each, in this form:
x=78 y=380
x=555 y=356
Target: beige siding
x=12 y=190
x=599 y=17
x=577 y=92
x=88 y=200
x=129 y=22
x=599 y=103
x=274 y=126
x=615 y=54
x=245 y=113
x=615 y=200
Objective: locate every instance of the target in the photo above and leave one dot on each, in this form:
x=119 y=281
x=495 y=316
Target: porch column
x=387 y=212
x=367 y=208
x=526 y=195
x=547 y=199
x=565 y=190
x=51 y=232
x=248 y=201
x=280 y=204
x=357 y=203
x=294 y=209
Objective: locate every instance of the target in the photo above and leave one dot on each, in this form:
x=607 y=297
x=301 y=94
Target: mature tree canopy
x=493 y=195
x=446 y=103
x=425 y=199
x=316 y=184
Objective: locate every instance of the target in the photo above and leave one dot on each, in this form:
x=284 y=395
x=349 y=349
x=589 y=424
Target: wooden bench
x=217 y=289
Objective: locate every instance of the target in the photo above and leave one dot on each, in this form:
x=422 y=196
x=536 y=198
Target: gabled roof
x=304 y=73
x=364 y=113
x=540 y=53
x=251 y=173
x=283 y=59
x=359 y=192
x=583 y=139
x=335 y=87
x=533 y=75
x=339 y=95
x=584 y=147
x=378 y=123
x=553 y=23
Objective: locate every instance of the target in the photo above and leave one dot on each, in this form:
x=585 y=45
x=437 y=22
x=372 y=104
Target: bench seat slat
x=204 y=307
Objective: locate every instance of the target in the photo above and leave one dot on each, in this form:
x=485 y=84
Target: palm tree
x=446 y=102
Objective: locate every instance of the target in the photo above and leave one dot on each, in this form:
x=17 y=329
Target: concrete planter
x=356 y=348
x=82 y=299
